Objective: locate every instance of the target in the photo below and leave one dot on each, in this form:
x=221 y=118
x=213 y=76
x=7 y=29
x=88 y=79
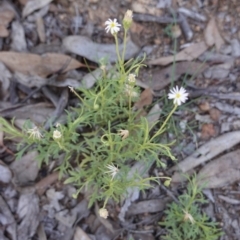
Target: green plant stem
x=124 y=45
x=118 y=55
x=164 y=123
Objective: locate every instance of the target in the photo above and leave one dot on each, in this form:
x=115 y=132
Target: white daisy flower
x=112 y=25
x=57 y=134
x=103 y=212
x=112 y=170
x=179 y=96
x=34 y=133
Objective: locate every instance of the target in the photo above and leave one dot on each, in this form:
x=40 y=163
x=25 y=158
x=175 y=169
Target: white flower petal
x=179 y=95
x=112 y=25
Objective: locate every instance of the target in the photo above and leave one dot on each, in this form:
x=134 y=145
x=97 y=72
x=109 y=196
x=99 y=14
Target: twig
x=151 y=18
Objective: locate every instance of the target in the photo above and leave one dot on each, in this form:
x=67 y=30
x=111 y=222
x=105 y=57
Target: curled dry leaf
x=85 y=47
x=205 y=153
x=33 y=5
x=220 y=172
x=146 y=98
x=187 y=54
x=212 y=35
x=44 y=65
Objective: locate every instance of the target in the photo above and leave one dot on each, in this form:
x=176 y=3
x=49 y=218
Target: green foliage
x=185 y=221
x=103 y=136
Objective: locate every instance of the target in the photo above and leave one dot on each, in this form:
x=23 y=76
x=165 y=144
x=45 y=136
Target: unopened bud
x=127 y=20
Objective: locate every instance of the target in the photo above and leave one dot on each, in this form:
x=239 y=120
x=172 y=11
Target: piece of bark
x=205 y=153
x=220 y=172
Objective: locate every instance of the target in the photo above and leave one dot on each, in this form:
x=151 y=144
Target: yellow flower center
x=113 y=25
x=178 y=95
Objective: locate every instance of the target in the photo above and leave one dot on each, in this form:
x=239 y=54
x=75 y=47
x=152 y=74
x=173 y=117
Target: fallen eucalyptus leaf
x=147 y=206
x=153 y=115
x=6 y=16
x=34 y=5
x=6 y=174
x=43 y=66
x=85 y=47
x=28 y=214
x=146 y=98
x=4 y=80
x=26 y=169
x=19 y=43
x=221 y=172
x=161 y=78
x=187 y=54
x=212 y=35
x=80 y=235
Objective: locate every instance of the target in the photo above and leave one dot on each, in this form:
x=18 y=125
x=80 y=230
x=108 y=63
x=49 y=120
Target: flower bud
x=103 y=212
x=127 y=20
x=57 y=134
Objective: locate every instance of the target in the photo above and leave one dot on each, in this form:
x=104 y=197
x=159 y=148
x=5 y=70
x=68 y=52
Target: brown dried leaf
x=187 y=54
x=208 y=131
x=222 y=171
x=205 y=153
x=41 y=29
x=212 y=35
x=3 y=31
x=34 y=5
x=32 y=64
x=44 y=183
x=6 y=16
x=146 y=98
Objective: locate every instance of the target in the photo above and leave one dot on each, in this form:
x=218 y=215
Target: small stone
x=235 y=48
